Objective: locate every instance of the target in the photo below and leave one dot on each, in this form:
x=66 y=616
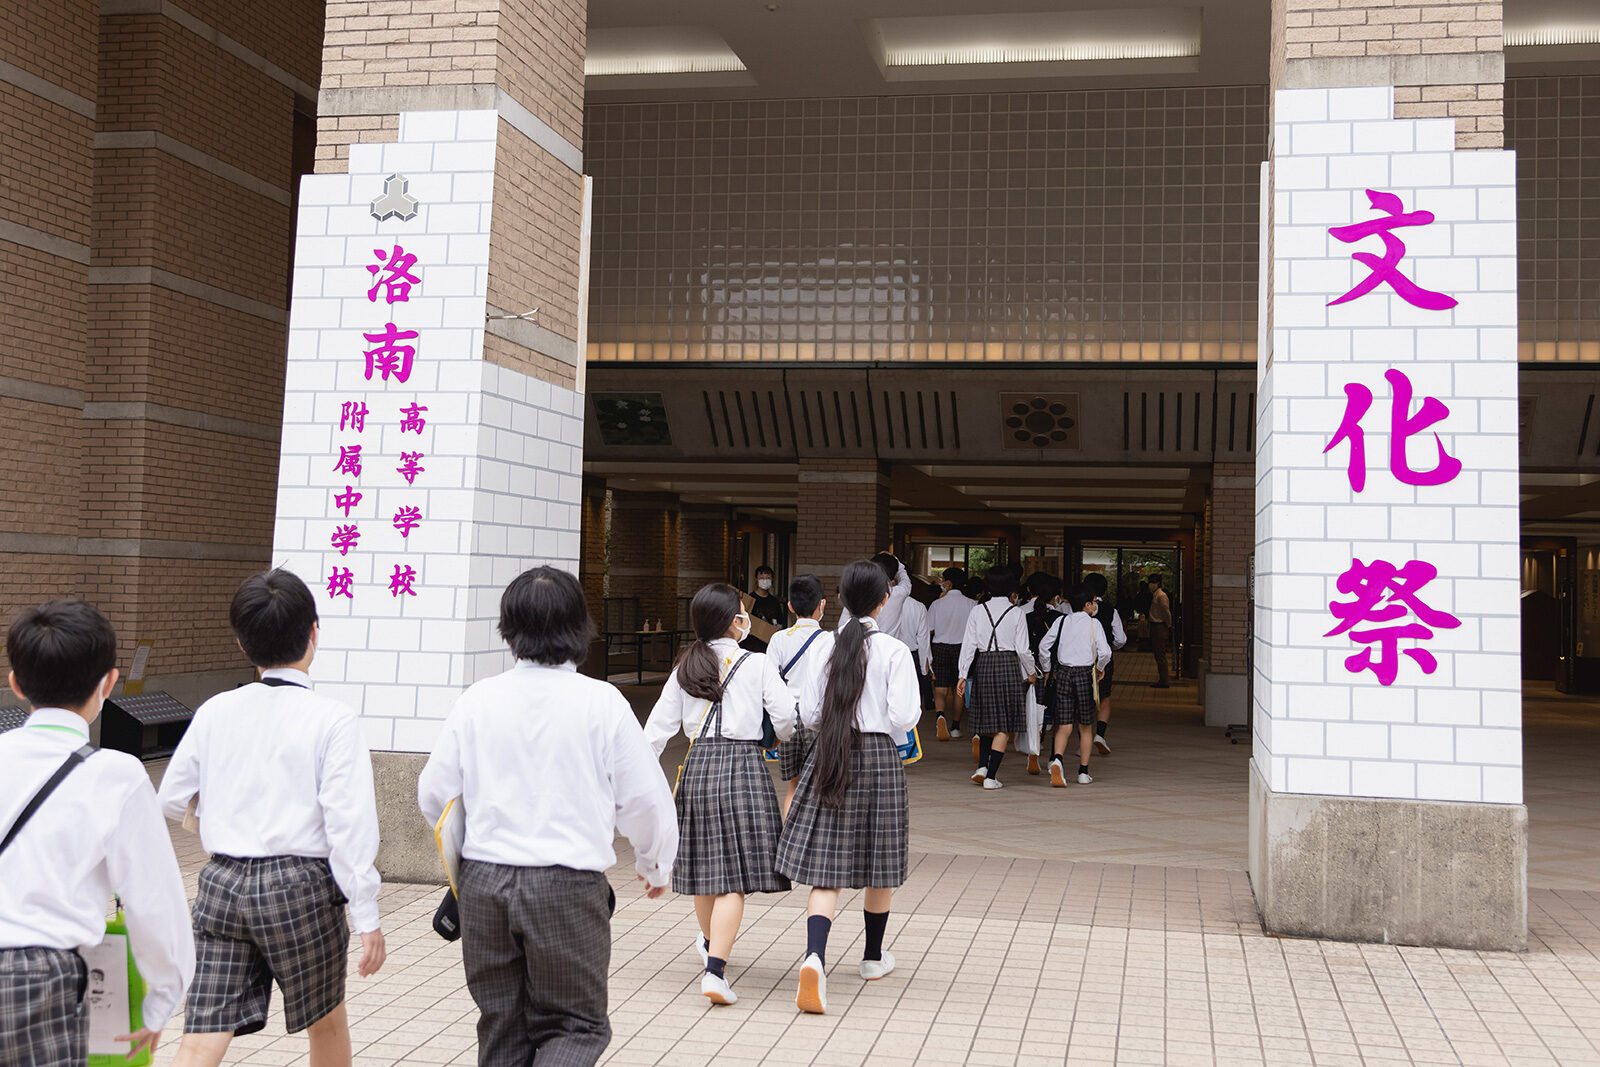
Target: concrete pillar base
x=407 y=852
x=1223 y=697
x=1409 y=872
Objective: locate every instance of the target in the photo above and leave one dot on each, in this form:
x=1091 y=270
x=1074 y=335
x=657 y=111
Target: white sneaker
x=942 y=728
x=955 y=731
x=993 y=783
x=813 y=994
x=980 y=775
x=717 y=990
x=1084 y=779
x=1101 y=745
x=702 y=946
x=872 y=970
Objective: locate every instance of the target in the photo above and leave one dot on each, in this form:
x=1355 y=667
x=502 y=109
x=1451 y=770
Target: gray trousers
x=536 y=942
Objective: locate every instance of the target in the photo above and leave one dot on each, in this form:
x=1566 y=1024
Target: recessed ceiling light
x=1539 y=36
x=1026 y=40
x=651 y=50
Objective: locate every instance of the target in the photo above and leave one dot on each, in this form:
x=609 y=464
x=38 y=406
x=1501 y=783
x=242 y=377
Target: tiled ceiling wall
x=1082 y=225
x=1023 y=226
x=1554 y=126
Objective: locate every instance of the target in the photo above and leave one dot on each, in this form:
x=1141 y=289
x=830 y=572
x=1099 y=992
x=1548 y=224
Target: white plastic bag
x=1028 y=743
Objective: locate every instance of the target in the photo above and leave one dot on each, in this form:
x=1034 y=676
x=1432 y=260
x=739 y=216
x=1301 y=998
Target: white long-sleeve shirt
x=786 y=643
x=1119 y=636
x=1075 y=640
x=1009 y=630
x=282 y=771
x=756 y=688
x=550 y=765
x=100 y=833
x=888 y=618
x=947 y=617
x=912 y=632
x=890 y=700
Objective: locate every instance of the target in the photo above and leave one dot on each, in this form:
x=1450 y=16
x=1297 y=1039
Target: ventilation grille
x=1039 y=420
x=748 y=419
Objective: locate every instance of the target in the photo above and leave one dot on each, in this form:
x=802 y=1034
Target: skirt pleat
x=862 y=843
x=728 y=822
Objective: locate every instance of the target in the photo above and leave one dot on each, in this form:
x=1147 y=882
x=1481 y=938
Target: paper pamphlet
x=106 y=996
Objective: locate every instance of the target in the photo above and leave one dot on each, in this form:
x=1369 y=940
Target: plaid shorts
x=42 y=1019
x=1071 y=697
x=256 y=920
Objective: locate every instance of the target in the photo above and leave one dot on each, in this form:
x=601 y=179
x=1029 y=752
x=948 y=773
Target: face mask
x=763 y=583
x=742 y=631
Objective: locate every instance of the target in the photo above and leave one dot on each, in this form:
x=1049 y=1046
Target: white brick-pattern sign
x=1388 y=634
x=416 y=478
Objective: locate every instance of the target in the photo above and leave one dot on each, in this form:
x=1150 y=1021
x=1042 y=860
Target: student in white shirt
x=850 y=821
x=1073 y=652
x=947 y=622
x=800 y=654
x=728 y=816
x=98 y=832
x=997 y=661
x=1110 y=620
x=286 y=809
x=549 y=766
x=912 y=628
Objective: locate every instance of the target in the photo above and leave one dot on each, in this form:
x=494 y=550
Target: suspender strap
x=279 y=681
x=66 y=768
x=783 y=672
x=994 y=625
x=716 y=707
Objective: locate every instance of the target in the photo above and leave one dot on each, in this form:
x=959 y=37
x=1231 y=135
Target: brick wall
x=1444 y=58
x=643 y=559
x=46 y=186
x=703 y=544
x=1230 y=533
x=592 y=543
x=842 y=515
x=375 y=43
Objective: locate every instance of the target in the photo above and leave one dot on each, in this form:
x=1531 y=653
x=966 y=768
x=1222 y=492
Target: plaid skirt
x=998 y=691
x=862 y=843
x=258 y=919
x=42 y=1019
x=1071 y=697
x=946 y=664
x=728 y=822
x=793 y=753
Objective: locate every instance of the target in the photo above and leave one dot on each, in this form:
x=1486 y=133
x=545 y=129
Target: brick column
x=1444 y=60
x=1230 y=535
x=592 y=550
x=47 y=106
x=843 y=514
x=644 y=553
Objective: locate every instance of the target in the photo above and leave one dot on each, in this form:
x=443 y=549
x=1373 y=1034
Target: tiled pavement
x=1111 y=923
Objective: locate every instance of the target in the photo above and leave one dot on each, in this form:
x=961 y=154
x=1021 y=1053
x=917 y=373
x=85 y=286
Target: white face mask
x=742 y=631
x=763 y=583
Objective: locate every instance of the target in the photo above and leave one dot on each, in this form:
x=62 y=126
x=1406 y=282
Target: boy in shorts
x=287 y=811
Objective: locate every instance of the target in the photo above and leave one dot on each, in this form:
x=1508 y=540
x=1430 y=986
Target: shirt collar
x=288 y=674
x=529 y=665
x=58 y=719
x=808 y=624
x=723 y=644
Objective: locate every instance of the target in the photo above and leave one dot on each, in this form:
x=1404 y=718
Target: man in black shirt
x=767 y=608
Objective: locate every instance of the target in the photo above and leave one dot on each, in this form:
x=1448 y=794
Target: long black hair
x=711 y=612
x=862 y=588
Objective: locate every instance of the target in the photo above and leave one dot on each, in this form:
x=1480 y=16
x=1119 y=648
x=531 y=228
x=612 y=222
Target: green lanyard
x=59 y=729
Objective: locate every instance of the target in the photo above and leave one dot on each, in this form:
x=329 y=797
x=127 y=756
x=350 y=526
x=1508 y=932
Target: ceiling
x=833 y=48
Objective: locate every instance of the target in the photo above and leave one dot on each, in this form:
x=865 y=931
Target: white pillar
x=1387 y=804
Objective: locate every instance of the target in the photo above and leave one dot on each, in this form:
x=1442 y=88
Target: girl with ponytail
x=728 y=820
x=848 y=824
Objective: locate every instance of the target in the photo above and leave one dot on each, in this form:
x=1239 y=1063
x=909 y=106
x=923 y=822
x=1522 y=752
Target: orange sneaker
x=1058 y=776
x=943 y=728
x=1033 y=764
x=977 y=747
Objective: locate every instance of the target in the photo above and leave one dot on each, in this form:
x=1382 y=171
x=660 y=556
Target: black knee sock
x=817 y=927
x=985 y=746
x=1100 y=728
x=993 y=762
x=877 y=923
x=715 y=965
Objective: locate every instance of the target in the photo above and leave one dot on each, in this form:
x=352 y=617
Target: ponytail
x=862 y=588
x=711 y=612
